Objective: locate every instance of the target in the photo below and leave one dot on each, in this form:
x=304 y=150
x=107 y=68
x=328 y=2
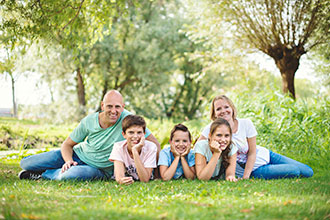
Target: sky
x=28 y=93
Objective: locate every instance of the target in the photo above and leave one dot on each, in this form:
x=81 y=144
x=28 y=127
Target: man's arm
x=67 y=152
x=153 y=139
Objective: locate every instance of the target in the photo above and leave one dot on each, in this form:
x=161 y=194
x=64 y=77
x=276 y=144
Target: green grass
x=179 y=199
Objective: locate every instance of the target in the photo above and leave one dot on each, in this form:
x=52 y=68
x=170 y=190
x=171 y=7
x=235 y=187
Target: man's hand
x=126 y=180
x=68 y=164
x=139 y=145
x=215 y=147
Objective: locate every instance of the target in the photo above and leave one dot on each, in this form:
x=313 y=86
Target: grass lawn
x=180 y=199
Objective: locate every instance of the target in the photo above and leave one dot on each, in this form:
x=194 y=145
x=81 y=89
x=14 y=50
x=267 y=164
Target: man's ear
x=102 y=105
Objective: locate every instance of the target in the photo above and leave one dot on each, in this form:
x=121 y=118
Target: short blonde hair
x=225 y=98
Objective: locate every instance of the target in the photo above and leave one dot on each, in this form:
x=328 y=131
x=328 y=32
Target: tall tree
x=282 y=29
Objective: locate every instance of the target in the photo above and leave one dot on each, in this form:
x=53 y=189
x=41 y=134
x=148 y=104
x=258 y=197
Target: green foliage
x=71 y=23
x=180 y=199
x=297 y=129
x=25 y=134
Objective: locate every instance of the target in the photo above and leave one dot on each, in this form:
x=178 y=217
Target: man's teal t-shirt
x=95 y=143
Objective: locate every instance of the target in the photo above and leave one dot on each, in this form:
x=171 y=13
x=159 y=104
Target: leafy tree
x=69 y=23
x=282 y=29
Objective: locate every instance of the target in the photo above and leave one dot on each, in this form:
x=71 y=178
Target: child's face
x=133 y=135
x=180 y=141
x=222 y=136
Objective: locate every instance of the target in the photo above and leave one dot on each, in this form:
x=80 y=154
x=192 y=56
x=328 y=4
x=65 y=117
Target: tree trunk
x=287 y=61
x=81 y=92
x=105 y=90
x=13 y=93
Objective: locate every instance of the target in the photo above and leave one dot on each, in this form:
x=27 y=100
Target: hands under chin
x=139 y=145
x=215 y=147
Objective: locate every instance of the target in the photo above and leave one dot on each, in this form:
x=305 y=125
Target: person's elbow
x=145 y=180
x=192 y=177
x=166 y=178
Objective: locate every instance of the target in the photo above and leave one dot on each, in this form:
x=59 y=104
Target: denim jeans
x=50 y=163
x=278 y=167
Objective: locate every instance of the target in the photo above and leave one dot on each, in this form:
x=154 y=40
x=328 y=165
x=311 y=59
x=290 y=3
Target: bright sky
x=25 y=89
x=28 y=93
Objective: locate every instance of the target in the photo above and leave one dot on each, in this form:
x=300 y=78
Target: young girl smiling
x=216 y=157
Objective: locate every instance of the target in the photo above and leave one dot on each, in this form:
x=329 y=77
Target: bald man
x=84 y=154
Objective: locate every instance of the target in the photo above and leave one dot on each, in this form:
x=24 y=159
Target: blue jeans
x=50 y=163
x=278 y=167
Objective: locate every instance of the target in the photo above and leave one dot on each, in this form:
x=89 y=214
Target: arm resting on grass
x=143 y=173
x=119 y=170
x=166 y=172
x=251 y=157
x=230 y=171
x=205 y=170
x=189 y=172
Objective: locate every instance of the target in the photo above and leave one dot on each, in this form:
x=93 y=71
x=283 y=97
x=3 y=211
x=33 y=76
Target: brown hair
x=180 y=127
x=225 y=154
x=225 y=98
x=133 y=120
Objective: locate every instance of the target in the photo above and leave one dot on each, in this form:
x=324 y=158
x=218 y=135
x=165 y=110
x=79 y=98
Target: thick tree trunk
x=287 y=61
x=81 y=92
x=13 y=93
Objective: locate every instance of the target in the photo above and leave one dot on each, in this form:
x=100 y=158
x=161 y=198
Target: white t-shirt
x=147 y=156
x=245 y=130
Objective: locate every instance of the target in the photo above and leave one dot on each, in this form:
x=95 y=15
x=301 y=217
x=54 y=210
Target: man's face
x=113 y=106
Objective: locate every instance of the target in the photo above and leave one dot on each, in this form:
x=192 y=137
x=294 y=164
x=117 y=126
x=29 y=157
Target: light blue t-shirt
x=166 y=158
x=95 y=143
x=202 y=147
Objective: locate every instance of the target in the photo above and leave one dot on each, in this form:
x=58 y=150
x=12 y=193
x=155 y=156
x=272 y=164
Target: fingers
x=174 y=151
x=68 y=165
x=215 y=146
x=126 y=180
x=142 y=140
x=231 y=179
